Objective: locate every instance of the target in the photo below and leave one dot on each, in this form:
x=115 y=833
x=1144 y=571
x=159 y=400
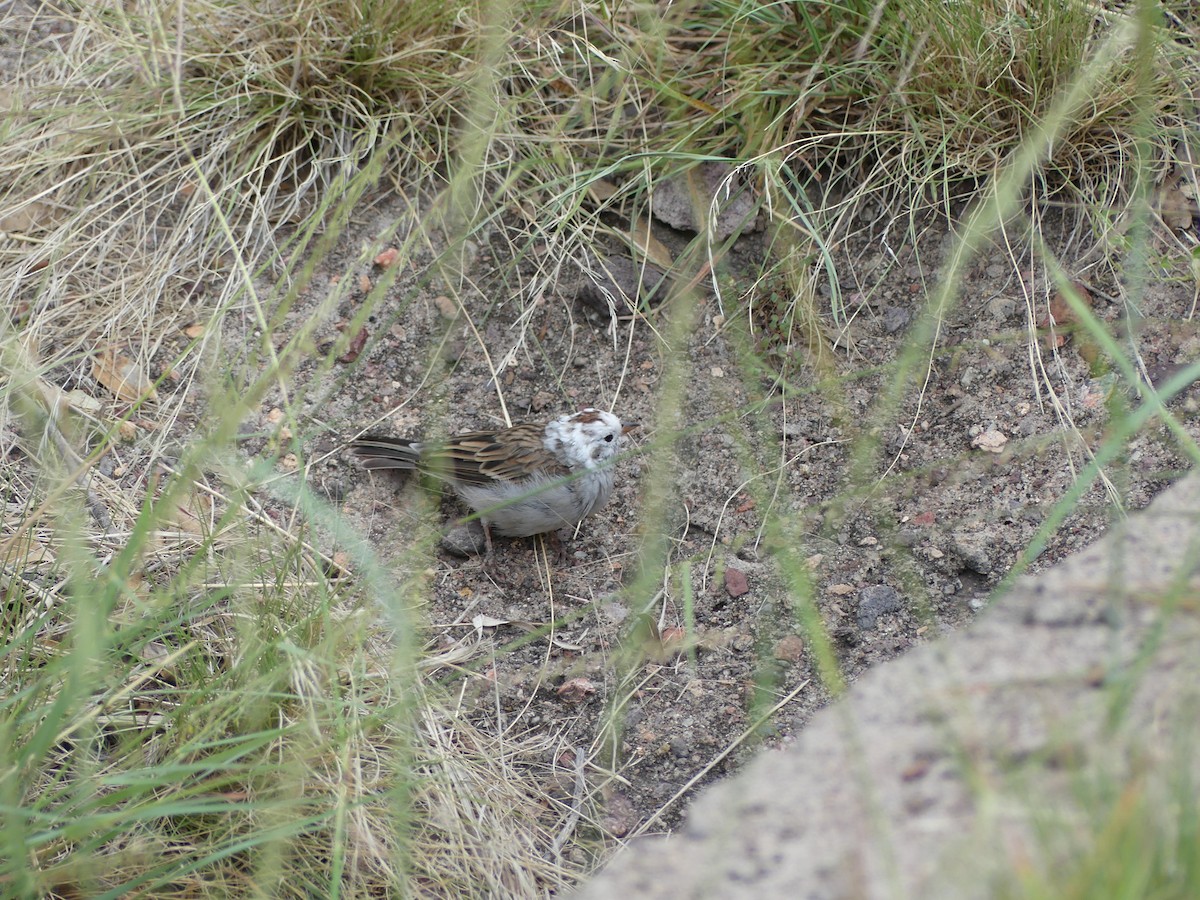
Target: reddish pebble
x=736 y=583
x=790 y=648
x=575 y=690
x=387 y=257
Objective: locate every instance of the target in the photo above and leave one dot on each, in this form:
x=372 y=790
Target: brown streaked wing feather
x=459 y=458
x=480 y=457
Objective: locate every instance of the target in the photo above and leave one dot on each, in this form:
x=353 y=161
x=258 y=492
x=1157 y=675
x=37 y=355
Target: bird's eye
x=608 y=438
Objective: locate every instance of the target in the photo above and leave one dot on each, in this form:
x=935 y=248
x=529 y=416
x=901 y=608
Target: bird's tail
x=374 y=452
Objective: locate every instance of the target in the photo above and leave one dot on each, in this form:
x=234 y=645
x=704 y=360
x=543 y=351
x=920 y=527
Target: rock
x=991 y=441
x=685 y=201
x=790 y=648
x=973 y=549
x=614 y=285
x=736 y=582
x=619 y=816
x=895 y=318
x=465 y=540
x=875 y=601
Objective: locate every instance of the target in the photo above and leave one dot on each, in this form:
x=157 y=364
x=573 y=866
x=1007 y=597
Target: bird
x=530 y=478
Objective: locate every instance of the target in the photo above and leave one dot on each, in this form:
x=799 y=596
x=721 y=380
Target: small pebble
x=790 y=648
x=895 y=318
x=736 y=583
x=875 y=601
x=465 y=540
x=973 y=548
x=991 y=441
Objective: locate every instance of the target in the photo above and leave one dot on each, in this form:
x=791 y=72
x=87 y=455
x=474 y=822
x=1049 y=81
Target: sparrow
x=528 y=479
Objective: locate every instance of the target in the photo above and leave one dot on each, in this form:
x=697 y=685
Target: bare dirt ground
x=967 y=473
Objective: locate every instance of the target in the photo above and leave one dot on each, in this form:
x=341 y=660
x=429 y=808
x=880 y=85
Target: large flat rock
x=1005 y=748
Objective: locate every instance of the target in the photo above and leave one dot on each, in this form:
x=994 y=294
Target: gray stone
x=686 y=201
x=465 y=540
x=973 y=548
x=895 y=318
x=615 y=285
x=875 y=601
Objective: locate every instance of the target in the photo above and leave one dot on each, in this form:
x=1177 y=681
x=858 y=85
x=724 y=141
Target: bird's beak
x=627 y=427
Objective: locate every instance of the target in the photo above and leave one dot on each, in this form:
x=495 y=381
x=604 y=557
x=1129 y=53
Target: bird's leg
x=487 y=540
x=490 y=568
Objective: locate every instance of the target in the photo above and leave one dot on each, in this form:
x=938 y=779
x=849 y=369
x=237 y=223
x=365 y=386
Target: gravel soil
x=898 y=547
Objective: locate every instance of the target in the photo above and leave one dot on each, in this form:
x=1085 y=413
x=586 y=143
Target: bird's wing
x=482 y=457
